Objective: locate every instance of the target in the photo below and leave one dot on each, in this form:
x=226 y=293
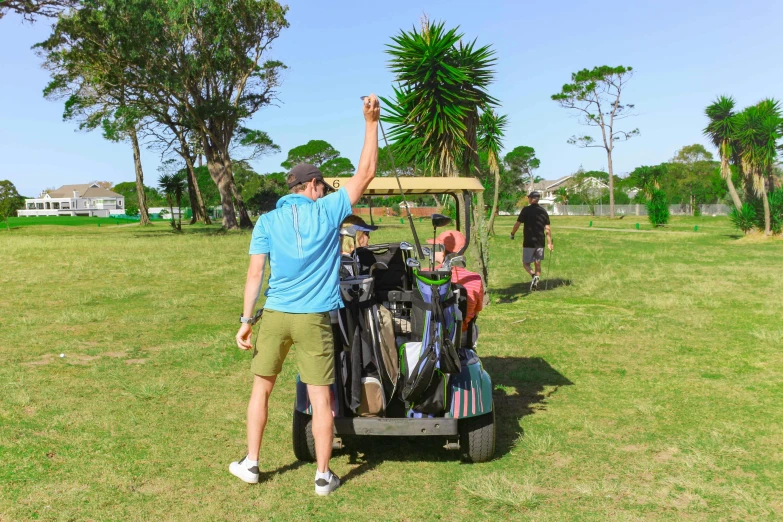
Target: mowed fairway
x=646 y=383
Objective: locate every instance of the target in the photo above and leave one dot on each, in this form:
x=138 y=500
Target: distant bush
x=744 y=219
x=131 y=209
x=658 y=208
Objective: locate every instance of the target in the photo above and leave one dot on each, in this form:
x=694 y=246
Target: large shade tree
x=32 y=9
x=522 y=162
x=596 y=96
x=10 y=201
x=208 y=64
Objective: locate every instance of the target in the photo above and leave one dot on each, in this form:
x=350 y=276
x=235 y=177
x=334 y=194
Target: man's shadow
x=521 y=290
x=521 y=386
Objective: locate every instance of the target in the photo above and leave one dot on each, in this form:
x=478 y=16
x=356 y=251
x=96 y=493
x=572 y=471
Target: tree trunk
x=239 y=205
x=767 y=223
x=491 y=226
x=194 y=193
x=221 y=174
x=611 y=183
x=144 y=217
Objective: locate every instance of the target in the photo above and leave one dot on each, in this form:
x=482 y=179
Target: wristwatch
x=251 y=320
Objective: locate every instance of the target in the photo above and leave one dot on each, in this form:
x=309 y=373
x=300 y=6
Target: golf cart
x=403 y=365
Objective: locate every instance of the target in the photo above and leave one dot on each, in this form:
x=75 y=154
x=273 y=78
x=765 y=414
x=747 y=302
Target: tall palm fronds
x=721 y=130
x=173 y=187
x=442 y=83
x=490 y=140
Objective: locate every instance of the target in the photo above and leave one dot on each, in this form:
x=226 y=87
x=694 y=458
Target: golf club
x=402 y=192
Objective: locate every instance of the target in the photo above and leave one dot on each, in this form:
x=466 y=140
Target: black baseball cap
x=534 y=194
x=305 y=172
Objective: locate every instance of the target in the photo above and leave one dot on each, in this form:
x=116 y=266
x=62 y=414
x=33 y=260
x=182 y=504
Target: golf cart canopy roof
x=387 y=186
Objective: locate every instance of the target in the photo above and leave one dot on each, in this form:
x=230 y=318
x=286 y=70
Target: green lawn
x=72 y=221
x=646 y=383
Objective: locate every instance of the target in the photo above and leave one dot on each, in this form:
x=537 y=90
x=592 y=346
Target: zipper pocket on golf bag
x=433 y=399
x=420 y=376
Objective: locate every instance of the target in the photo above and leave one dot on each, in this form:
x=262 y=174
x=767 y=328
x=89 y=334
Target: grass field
x=645 y=383
x=71 y=221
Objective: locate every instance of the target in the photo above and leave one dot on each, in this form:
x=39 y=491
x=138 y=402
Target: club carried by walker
x=402 y=192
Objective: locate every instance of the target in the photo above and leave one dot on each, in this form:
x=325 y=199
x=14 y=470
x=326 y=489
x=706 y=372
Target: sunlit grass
x=645 y=383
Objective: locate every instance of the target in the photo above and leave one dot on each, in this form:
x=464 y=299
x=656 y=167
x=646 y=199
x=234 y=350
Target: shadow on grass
x=269 y=475
x=522 y=289
x=186 y=231
x=521 y=387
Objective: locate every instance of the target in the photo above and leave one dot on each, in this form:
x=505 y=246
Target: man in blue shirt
x=302 y=242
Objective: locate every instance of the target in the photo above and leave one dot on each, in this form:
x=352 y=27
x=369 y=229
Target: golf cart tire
x=304 y=443
x=477 y=437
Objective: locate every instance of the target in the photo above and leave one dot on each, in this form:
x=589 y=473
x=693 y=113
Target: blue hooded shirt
x=302 y=239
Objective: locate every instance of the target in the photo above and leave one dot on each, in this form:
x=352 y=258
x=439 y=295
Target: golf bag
x=366 y=372
x=436 y=323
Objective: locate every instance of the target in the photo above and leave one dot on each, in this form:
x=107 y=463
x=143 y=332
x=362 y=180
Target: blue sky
x=684 y=53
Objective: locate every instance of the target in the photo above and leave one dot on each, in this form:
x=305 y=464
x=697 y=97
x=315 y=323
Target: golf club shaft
x=402 y=192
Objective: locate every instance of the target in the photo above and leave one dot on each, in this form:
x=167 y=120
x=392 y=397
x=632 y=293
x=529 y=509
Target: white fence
x=635 y=210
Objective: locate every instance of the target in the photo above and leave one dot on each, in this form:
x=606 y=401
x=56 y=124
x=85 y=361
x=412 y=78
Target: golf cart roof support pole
x=402 y=193
x=459 y=204
x=466 y=200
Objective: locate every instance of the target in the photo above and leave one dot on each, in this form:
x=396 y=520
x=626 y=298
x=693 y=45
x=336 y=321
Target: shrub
x=744 y=219
x=658 y=208
x=131 y=209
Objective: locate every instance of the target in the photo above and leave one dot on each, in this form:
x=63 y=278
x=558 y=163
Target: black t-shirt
x=534 y=218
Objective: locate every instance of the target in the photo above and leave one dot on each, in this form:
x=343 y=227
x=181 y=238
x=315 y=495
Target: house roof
x=85 y=190
x=549 y=184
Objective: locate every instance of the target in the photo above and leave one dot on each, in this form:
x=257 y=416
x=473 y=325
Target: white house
x=75 y=200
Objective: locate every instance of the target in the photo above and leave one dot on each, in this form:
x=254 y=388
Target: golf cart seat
x=395 y=277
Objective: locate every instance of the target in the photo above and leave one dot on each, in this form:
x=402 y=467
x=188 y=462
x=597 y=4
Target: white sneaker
x=324 y=487
x=534 y=283
x=240 y=469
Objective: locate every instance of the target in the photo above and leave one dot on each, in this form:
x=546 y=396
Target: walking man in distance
x=302 y=242
x=536 y=225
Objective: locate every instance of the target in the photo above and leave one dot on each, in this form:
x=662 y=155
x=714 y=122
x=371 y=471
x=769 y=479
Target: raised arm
x=369 y=158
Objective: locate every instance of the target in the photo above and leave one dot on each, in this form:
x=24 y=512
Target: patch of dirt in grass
x=136 y=361
x=81 y=360
x=115 y=354
x=634 y=448
x=739 y=473
x=561 y=461
x=665 y=455
x=45 y=359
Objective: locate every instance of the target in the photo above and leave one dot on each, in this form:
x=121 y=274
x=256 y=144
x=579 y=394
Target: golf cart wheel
x=477 y=437
x=304 y=443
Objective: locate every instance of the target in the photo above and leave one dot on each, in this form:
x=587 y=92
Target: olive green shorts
x=311 y=334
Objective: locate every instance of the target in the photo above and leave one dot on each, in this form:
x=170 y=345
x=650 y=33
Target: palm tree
x=442 y=86
x=758 y=129
x=721 y=131
x=490 y=140
x=173 y=187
